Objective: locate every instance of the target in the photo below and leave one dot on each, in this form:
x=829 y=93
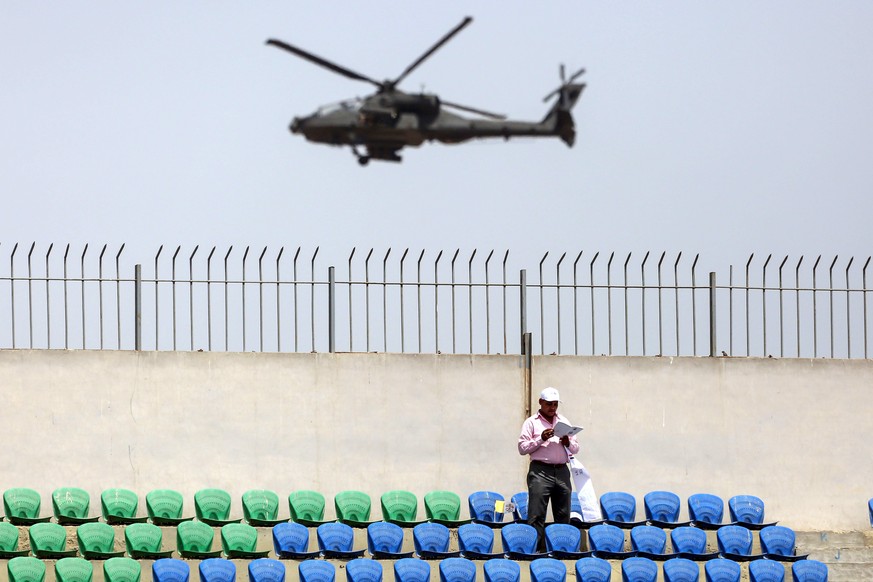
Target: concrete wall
x=795 y=432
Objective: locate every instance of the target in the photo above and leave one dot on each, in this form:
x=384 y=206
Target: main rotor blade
x=322 y=62
x=563 y=83
x=433 y=49
x=473 y=110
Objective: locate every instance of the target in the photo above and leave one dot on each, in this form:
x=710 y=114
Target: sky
x=715 y=128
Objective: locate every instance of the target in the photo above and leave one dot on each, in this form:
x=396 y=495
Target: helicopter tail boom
x=558 y=119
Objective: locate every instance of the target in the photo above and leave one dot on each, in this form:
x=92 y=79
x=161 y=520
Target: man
x=548 y=476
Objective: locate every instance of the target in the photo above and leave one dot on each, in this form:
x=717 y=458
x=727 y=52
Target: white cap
x=550 y=395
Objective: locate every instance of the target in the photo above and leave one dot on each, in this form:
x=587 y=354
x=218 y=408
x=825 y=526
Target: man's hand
x=565 y=440
x=547 y=434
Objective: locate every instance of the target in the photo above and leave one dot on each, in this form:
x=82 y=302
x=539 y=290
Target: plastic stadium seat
x=482 y=508
x=385 y=540
x=501 y=570
x=650 y=542
x=411 y=570
x=336 y=540
x=519 y=500
x=639 y=570
x=808 y=571
x=261 y=508
x=266 y=570
x=170 y=570
x=212 y=506
x=25 y=569
x=143 y=540
x=690 y=543
x=548 y=570
x=706 y=510
x=22 y=506
x=870 y=510
x=240 y=540
x=217 y=570
x=444 y=507
x=457 y=570
x=520 y=541
x=620 y=509
x=164 y=507
x=607 y=542
x=48 y=541
x=747 y=511
x=766 y=571
x=400 y=507
x=778 y=543
x=722 y=570
x=119 y=507
x=71 y=506
x=563 y=541
x=735 y=543
x=121 y=570
x=431 y=541
x=593 y=570
x=9 y=542
x=476 y=542
x=681 y=570
x=291 y=540
x=307 y=508
x=194 y=540
x=363 y=570
x=316 y=571
x=97 y=541
x=353 y=508
x=662 y=509
x=73 y=570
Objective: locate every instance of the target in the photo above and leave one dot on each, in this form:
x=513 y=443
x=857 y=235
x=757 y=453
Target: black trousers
x=544 y=482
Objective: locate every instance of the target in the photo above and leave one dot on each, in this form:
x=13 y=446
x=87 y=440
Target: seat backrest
x=547 y=570
x=734 y=539
x=238 y=536
x=593 y=569
x=164 y=503
x=648 y=538
x=778 y=539
x=766 y=571
x=563 y=537
x=384 y=537
x=442 y=505
x=501 y=570
x=212 y=504
x=316 y=571
x=639 y=570
x=260 y=504
x=482 y=506
x=73 y=570
x=618 y=506
x=681 y=570
x=96 y=537
x=662 y=506
x=870 y=510
x=519 y=537
x=25 y=569
x=70 y=502
x=290 y=537
x=457 y=570
x=194 y=536
x=430 y=537
x=170 y=570
x=335 y=536
x=8 y=537
x=476 y=537
x=809 y=571
x=688 y=539
x=722 y=570
x=266 y=570
x=399 y=505
x=363 y=571
x=118 y=502
x=606 y=538
x=48 y=537
x=306 y=504
x=354 y=505
x=519 y=500
x=122 y=569
x=21 y=502
x=411 y=570
x=145 y=537
x=217 y=570
x=705 y=507
x=746 y=509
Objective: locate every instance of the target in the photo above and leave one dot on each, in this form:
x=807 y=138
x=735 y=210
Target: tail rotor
x=564 y=84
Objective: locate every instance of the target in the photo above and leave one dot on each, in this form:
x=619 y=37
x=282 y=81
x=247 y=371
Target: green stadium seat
x=97 y=541
x=240 y=540
x=194 y=540
x=119 y=507
x=73 y=570
x=48 y=541
x=261 y=508
x=353 y=508
x=9 y=542
x=25 y=569
x=401 y=508
x=22 y=506
x=164 y=507
x=144 y=540
x=71 y=506
x=444 y=507
x=121 y=570
x=307 y=508
x=212 y=506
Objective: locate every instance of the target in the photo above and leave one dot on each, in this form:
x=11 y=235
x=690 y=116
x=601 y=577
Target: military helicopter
x=390 y=119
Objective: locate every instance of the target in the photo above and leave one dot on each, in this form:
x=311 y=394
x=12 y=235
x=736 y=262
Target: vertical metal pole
x=848 y=313
x=82 y=273
x=226 y=306
x=173 y=288
x=137 y=307
x=402 y=312
x=12 y=292
x=118 y=294
x=526 y=349
x=191 y=298
x=243 y=302
x=278 y=301
x=209 y=299
x=764 y=302
x=312 y=296
x=418 y=288
x=797 y=300
x=814 y=311
x=558 y=297
x=542 y=302
x=576 y=307
x=367 y=298
x=831 y=301
x=385 y=302
x=261 y=299
x=66 y=309
x=47 y=302
x=454 y=325
x=609 y=303
x=781 y=322
x=100 y=291
x=157 y=294
x=626 y=326
x=522 y=304
x=294 y=274
x=748 y=344
x=470 y=298
x=712 y=315
x=436 y=303
x=591 y=284
x=660 y=307
x=331 y=310
x=351 y=319
x=676 y=296
x=864 y=300
x=487 y=306
x=505 y=348
x=643 y=297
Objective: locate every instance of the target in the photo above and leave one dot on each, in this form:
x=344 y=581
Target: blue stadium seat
x=482 y=504
x=766 y=571
x=170 y=570
x=722 y=570
x=291 y=541
x=809 y=571
x=476 y=542
x=411 y=570
x=519 y=500
x=593 y=570
x=706 y=510
x=316 y=571
x=662 y=509
x=747 y=511
x=870 y=510
x=650 y=542
x=690 y=543
x=502 y=570
x=385 y=540
x=548 y=570
x=607 y=542
x=363 y=570
x=266 y=570
x=620 y=509
x=431 y=541
x=563 y=541
x=457 y=570
x=681 y=570
x=520 y=541
x=639 y=570
x=778 y=543
x=336 y=540
x=735 y=543
x=217 y=570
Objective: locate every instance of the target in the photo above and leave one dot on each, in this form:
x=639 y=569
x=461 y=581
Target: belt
x=548 y=464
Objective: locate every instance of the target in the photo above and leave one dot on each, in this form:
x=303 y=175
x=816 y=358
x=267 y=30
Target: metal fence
x=244 y=299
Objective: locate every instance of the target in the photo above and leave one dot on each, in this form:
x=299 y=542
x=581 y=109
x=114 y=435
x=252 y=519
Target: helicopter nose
x=295 y=125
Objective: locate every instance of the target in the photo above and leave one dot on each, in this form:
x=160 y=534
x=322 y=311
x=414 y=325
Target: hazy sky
x=719 y=128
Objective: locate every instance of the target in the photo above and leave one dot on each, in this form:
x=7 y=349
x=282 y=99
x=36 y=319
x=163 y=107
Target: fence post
x=528 y=362
x=522 y=302
x=137 y=302
x=712 y=315
x=331 y=310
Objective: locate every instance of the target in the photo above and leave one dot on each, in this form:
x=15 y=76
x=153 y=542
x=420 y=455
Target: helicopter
x=390 y=119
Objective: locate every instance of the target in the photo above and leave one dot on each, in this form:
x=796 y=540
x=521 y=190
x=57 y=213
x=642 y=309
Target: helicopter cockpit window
x=348 y=105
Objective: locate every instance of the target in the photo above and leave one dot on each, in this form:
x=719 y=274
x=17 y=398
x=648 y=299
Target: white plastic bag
x=585 y=490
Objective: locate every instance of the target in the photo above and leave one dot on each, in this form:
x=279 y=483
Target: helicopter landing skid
x=386 y=154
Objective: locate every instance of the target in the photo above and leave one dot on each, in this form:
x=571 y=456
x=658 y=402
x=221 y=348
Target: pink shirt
x=530 y=441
